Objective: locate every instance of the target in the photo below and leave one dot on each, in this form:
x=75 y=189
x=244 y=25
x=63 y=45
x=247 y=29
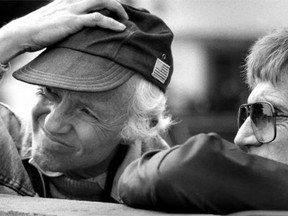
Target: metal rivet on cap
x=163 y=56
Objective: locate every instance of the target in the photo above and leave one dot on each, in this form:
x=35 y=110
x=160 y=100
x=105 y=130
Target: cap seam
x=127 y=38
x=42 y=73
x=32 y=78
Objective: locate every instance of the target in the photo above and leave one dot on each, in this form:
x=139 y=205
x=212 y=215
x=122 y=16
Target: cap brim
x=73 y=70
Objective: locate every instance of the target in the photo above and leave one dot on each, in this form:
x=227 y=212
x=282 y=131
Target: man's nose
x=57 y=120
x=245 y=135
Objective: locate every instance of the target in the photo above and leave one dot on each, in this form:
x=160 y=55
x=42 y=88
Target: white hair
x=147 y=112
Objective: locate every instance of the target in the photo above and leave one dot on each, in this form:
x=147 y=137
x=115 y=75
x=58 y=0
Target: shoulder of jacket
x=10 y=119
x=18 y=128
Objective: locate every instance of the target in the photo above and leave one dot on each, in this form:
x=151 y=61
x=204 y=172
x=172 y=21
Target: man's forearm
x=205 y=175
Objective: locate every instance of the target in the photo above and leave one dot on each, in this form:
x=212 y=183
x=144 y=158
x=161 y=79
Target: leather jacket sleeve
x=205 y=175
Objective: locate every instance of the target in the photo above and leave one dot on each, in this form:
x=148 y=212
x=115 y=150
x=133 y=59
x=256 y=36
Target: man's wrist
x=10 y=43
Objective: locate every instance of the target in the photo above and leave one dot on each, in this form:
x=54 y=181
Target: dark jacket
x=205 y=175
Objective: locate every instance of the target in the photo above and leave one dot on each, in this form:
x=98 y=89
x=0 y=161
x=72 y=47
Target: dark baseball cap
x=97 y=59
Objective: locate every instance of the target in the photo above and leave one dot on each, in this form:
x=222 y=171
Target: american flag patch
x=161 y=71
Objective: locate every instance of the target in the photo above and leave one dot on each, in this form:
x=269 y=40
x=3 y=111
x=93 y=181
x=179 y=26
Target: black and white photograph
x=144 y=107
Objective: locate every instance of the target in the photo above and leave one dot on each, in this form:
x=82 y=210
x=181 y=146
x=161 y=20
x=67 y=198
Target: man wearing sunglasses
x=263 y=120
x=207 y=174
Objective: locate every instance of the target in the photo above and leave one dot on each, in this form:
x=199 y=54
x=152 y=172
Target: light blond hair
x=268 y=59
x=147 y=113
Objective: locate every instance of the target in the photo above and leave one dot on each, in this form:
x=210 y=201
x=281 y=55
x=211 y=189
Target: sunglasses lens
x=262 y=122
x=242 y=115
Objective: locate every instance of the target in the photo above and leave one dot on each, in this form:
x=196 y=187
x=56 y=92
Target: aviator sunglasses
x=263 y=120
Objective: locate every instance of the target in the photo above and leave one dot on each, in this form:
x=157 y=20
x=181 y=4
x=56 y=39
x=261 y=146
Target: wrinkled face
x=76 y=130
x=245 y=138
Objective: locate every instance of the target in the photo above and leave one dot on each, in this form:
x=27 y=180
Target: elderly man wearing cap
x=101 y=101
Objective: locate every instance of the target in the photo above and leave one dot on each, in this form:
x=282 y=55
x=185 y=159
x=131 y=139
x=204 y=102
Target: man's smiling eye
x=88 y=112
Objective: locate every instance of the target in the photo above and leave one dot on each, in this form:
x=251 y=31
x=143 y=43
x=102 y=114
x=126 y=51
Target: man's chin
x=45 y=164
x=42 y=159
x=268 y=155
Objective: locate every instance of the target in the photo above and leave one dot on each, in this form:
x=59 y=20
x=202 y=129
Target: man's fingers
x=97 y=19
x=92 y=5
x=116 y=7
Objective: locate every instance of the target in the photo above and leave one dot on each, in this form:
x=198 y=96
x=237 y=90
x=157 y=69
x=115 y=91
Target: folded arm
x=205 y=175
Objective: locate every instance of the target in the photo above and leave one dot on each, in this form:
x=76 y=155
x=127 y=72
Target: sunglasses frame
x=274 y=115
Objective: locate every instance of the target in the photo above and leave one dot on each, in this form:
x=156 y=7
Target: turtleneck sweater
x=84 y=184
x=89 y=189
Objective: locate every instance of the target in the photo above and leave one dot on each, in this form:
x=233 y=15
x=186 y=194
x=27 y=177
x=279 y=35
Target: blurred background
x=212 y=39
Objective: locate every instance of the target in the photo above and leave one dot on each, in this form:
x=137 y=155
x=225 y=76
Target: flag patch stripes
x=161 y=71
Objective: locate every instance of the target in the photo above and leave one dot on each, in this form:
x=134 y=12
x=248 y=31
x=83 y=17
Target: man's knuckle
x=98 y=17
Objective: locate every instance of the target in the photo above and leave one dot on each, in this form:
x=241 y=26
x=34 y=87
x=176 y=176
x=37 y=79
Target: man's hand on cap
x=99 y=19
x=62 y=18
